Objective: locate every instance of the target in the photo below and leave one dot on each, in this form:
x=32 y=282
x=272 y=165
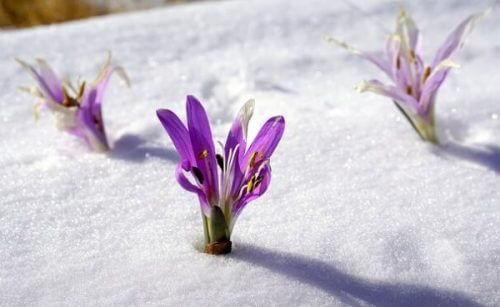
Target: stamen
x=427 y=73
x=198 y=174
x=220 y=161
x=68 y=101
x=250 y=185
x=66 y=98
x=251 y=161
x=398 y=63
x=413 y=57
x=227 y=172
x=258 y=180
x=81 y=90
x=202 y=155
x=409 y=90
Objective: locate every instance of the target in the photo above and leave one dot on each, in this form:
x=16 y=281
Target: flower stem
x=216 y=233
x=205 y=227
x=425 y=128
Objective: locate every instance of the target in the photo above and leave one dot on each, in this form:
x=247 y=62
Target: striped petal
x=238 y=133
x=265 y=142
x=90 y=117
x=200 y=134
x=178 y=134
x=375 y=58
x=396 y=94
x=433 y=82
x=457 y=38
x=49 y=83
x=190 y=187
x=258 y=191
x=408 y=32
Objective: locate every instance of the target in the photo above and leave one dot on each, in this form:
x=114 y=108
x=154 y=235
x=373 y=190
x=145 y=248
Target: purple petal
x=407 y=30
x=399 y=96
x=393 y=45
x=178 y=134
x=238 y=133
x=237 y=174
x=379 y=61
x=234 y=138
x=265 y=142
x=376 y=58
x=456 y=39
x=236 y=142
x=203 y=147
x=102 y=85
x=432 y=84
x=102 y=80
x=256 y=193
x=410 y=58
x=52 y=82
x=49 y=83
x=409 y=75
x=188 y=186
x=90 y=117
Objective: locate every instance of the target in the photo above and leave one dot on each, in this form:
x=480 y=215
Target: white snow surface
x=360 y=212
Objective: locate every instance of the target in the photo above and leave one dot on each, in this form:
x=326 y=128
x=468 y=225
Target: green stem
x=217 y=226
x=205 y=228
x=217 y=235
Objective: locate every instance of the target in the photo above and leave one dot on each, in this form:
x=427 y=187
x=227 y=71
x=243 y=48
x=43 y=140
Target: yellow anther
x=203 y=154
x=251 y=161
x=427 y=73
x=250 y=185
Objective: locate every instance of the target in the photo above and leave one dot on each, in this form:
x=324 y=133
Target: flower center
x=68 y=101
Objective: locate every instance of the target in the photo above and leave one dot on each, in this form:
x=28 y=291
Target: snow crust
x=359 y=212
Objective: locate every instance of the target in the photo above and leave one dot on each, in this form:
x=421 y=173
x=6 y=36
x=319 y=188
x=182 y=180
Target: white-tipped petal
x=33 y=90
x=344 y=45
x=392 y=92
x=448 y=63
x=245 y=114
x=123 y=75
x=457 y=38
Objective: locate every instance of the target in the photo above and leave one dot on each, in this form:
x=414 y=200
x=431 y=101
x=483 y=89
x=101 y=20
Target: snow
x=359 y=212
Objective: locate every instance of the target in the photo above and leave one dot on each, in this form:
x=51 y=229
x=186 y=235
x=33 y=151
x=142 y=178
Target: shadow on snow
x=487 y=156
x=348 y=288
x=132 y=148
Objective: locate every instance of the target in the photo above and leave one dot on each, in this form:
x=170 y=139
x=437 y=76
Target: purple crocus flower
x=76 y=110
x=415 y=84
x=224 y=183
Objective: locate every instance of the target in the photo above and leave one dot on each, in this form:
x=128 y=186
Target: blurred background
x=28 y=13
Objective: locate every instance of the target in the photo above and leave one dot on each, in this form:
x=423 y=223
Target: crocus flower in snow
x=77 y=110
x=224 y=183
x=415 y=84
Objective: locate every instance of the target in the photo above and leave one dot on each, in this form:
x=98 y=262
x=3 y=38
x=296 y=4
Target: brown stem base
x=218 y=248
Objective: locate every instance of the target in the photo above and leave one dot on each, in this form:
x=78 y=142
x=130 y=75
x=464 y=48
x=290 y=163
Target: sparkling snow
x=359 y=212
